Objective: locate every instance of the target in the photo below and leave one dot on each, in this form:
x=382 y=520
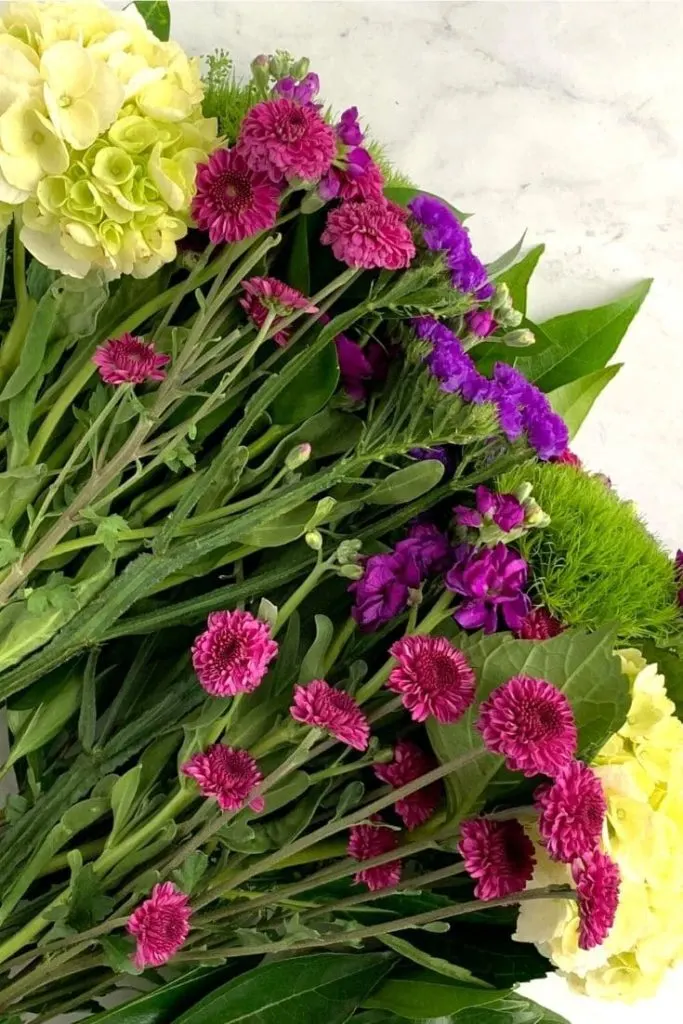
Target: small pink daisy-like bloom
x=232 y=201
x=499 y=854
x=539 y=624
x=369 y=234
x=160 y=924
x=229 y=775
x=129 y=360
x=597 y=880
x=372 y=840
x=233 y=654
x=319 y=705
x=571 y=812
x=433 y=678
x=410 y=762
x=285 y=139
x=531 y=723
x=267 y=294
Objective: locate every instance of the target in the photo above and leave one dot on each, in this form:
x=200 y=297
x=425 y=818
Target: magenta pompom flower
x=319 y=705
x=372 y=840
x=233 y=654
x=499 y=854
x=409 y=763
x=539 y=624
x=229 y=775
x=285 y=139
x=267 y=294
x=597 y=880
x=531 y=723
x=369 y=235
x=232 y=201
x=571 y=812
x=433 y=678
x=129 y=360
x=160 y=924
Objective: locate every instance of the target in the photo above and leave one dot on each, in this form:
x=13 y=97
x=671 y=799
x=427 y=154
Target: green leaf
x=404 y=485
x=35 y=728
x=288 y=790
x=3 y=258
x=157 y=17
x=582 y=341
x=575 y=400
x=507 y=260
x=432 y=963
x=420 y=995
x=87 y=719
x=19 y=484
x=311 y=389
x=123 y=796
x=512 y=1009
x=191 y=872
x=582 y=665
x=286 y=829
x=167 y=1002
x=33 y=348
x=517 y=277
x=324 y=987
x=299 y=271
x=283 y=529
x=314 y=659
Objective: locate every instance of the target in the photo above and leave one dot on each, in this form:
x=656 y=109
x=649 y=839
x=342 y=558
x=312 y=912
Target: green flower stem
x=64 y=400
x=270 y=437
x=342 y=636
x=440 y=611
x=336 y=770
x=176 y=805
x=303 y=590
x=384 y=928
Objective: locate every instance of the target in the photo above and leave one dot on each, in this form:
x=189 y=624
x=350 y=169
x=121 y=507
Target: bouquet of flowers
x=334 y=683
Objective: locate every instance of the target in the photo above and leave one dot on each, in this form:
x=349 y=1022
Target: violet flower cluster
x=491 y=582
x=443 y=232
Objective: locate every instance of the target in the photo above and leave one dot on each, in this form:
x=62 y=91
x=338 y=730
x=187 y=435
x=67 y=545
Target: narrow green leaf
x=191 y=872
x=87 y=719
x=167 y=1002
x=3 y=259
x=405 y=485
x=38 y=727
x=326 y=987
x=33 y=348
x=299 y=271
x=311 y=390
x=122 y=800
x=290 y=789
x=507 y=260
x=157 y=17
x=512 y=1009
x=281 y=530
x=582 y=341
x=432 y=963
x=517 y=277
x=420 y=995
x=575 y=400
x=314 y=659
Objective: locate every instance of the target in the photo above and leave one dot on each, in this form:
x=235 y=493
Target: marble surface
x=561 y=118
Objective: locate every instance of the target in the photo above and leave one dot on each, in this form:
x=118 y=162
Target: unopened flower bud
x=351 y=572
x=414 y=597
x=348 y=552
x=314 y=540
x=519 y=339
x=311 y=203
x=383 y=756
x=300 y=68
x=260 y=71
x=534 y=514
x=502 y=300
x=280 y=63
x=523 y=492
x=298 y=456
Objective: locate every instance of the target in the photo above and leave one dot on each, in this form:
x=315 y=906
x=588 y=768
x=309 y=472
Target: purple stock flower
x=429 y=547
x=349 y=130
x=502 y=509
x=384 y=590
x=481 y=322
x=491 y=581
x=438 y=453
x=358 y=367
x=303 y=92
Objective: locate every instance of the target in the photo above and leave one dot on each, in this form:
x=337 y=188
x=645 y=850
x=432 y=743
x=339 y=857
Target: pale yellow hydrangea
x=101 y=132
x=640 y=768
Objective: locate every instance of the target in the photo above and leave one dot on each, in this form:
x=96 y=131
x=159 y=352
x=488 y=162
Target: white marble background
x=565 y=119
x=562 y=118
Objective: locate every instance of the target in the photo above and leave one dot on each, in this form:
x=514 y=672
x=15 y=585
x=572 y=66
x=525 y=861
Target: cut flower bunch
x=334 y=683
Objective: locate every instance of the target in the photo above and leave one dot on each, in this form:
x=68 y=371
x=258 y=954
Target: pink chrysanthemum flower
x=531 y=723
x=571 y=812
x=129 y=360
x=319 y=705
x=433 y=678
x=229 y=775
x=160 y=924
x=369 y=235
x=410 y=762
x=284 y=139
x=233 y=654
x=597 y=880
x=232 y=201
x=267 y=294
x=539 y=624
x=499 y=854
x=372 y=840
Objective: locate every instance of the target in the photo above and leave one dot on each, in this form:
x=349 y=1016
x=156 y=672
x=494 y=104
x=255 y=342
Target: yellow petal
x=68 y=69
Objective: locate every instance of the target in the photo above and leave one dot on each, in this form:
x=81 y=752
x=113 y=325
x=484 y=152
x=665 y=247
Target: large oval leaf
x=310 y=391
x=164 y=1004
x=407 y=484
x=575 y=400
x=325 y=987
x=420 y=995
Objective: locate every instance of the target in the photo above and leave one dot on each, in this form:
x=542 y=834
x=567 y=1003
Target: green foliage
x=517 y=277
x=581 y=665
x=575 y=400
x=393 y=177
x=225 y=97
x=596 y=562
x=167 y=1002
x=157 y=16
x=416 y=995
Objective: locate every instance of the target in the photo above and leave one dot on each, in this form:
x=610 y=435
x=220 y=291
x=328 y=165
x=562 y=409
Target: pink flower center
x=232 y=192
x=436 y=673
x=228 y=649
x=539 y=721
x=291 y=126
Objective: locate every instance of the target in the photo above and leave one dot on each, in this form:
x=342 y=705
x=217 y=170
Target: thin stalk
x=301 y=592
x=343 y=635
